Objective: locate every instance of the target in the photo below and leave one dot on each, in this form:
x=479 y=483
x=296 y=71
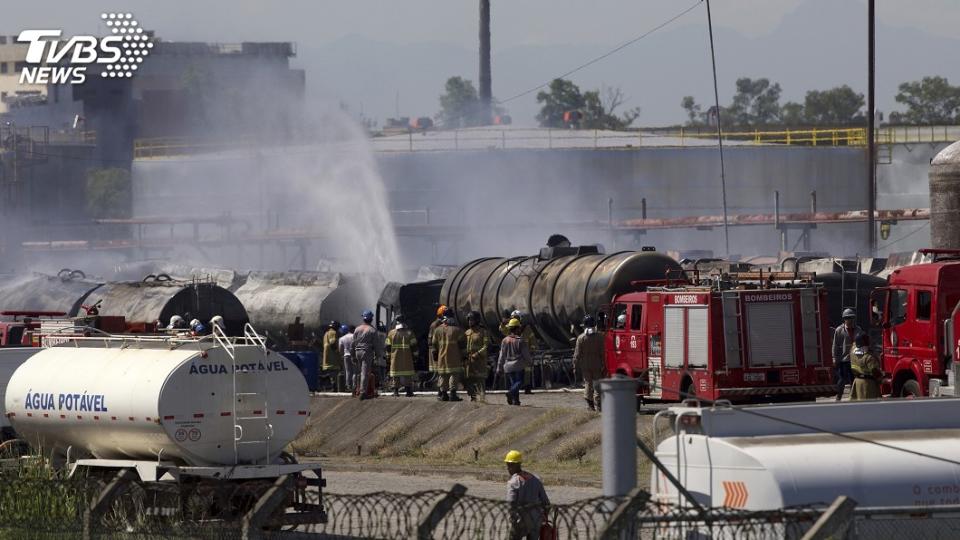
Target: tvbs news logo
x=51 y=59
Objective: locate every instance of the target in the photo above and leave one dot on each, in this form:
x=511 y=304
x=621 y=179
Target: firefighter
x=475 y=374
x=402 y=347
x=843 y=338
x=527 y=498
x=332 y=363
x=431 y=352
x=866 y=369
x=514 y=357
x=450 y=342
x=530 y=336
x=345 y=346
x=367 y=347
x=218 y=322
x=588 y=357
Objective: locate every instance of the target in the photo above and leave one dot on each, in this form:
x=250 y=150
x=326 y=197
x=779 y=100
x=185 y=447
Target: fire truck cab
x=918 y=315
x=741 y=337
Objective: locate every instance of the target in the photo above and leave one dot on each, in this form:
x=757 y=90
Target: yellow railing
x=801 y=137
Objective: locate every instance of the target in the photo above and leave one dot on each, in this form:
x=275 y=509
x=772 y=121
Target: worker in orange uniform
x=450 y=342
x=402 y=347
x=475 y=372
x=431 y=352
x=332 y=361
x=866 y=370
x=527 y=498
x=588 y=357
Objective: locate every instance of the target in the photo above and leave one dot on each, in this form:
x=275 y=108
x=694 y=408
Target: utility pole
x=723 y=176
x=871 y=116
x=486 y=84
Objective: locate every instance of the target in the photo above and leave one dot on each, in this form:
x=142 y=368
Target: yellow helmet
x=441 y=310
x=513 y=456
x=513 y=323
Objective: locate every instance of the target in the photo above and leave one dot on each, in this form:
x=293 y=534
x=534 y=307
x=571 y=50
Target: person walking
x=402 y=348
x=345 y=346
x=527 y=498
x=450 y=342
x=514 y=357
x=589 y=358
x=475 y=373
x=367 y=347
x=843 y=338
x=332 y=363
x=866 y=369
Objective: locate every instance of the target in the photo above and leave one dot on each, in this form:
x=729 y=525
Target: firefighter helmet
x=513 y=323
x=589 y=321
x=513 y=456
x=849 y=314
x=441 y=311
x=622 y=319
x=367 y=315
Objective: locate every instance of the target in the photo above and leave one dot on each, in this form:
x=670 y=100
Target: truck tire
x=911 y=389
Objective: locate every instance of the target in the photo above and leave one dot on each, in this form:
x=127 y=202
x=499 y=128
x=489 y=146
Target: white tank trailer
x=189 y=402
x=883 y=454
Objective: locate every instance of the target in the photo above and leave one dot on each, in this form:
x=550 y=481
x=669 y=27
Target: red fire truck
x=918 y=315
x=740 y=337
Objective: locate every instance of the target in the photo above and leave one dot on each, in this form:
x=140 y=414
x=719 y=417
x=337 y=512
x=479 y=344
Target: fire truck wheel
x=911 y=389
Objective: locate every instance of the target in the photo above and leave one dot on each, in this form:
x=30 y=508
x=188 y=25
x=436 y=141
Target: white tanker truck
x=164 y=408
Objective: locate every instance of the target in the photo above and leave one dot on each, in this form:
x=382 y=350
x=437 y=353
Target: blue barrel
x=307 y=363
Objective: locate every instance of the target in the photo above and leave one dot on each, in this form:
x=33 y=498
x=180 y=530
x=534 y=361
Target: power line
x=606 y=54
x=904 y=237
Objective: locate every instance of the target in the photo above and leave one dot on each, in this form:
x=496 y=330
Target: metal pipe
x=486 y=86
x=619 y=443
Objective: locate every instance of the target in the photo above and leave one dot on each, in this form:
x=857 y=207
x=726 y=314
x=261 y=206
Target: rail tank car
x=184 y=401
x=159 y=299
x=556 y=288
x=65 y=292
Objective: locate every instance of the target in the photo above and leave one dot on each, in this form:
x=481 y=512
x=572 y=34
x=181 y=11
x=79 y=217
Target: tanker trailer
x=159 y=299
x=894 y=458
x=211 y=415
x=556 y=287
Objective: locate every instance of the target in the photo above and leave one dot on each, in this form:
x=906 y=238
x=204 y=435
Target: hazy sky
x=566 y=31
x=517 y=22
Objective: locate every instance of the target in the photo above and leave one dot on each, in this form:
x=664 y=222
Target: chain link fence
x=47 y=508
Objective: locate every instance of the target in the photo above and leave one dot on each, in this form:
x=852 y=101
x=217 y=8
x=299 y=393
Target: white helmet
x=175 y=321
x=622 y=319
x=217 y=320
x=194 y=322
x=517 y=314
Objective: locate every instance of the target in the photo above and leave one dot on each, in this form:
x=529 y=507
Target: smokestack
x=486 y=92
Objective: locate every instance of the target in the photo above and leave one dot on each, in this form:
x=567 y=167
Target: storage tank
x=945 y=198
x=152 y=299
x=556 y=288
x=158 y=399
x=40 y=292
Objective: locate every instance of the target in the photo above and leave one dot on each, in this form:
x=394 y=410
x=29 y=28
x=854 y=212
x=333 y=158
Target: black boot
x=443 y=396
x=454 y=396
x=396 y=392
x=509 y=398
x=528 y=390
x=409 y=392
x=590 y=405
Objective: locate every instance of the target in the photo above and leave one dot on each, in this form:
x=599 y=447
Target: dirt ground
x=412 y=444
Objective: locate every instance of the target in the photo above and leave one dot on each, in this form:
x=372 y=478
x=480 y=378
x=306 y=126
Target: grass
x=578 y=447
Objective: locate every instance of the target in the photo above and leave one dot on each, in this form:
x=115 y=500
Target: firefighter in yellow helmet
x=528 y=335
x=527 y=498
x=514 y=357
x=332 y=361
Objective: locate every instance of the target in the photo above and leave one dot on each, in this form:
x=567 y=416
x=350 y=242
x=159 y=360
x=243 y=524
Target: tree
x=836 y=106
x=792 y=114
x=459 y=104
x=694 y=114
x=757 y=102
x=562 y=96
x=931 y=100
x=108 y=193
x=597 y=108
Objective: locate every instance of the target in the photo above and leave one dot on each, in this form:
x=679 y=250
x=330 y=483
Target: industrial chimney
x=945 y=198
x=486 y=92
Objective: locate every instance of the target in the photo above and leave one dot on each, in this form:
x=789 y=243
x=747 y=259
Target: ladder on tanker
x=850 y=287
x=250 y=410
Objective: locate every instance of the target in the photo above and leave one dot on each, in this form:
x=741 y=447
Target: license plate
x=754 y=377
